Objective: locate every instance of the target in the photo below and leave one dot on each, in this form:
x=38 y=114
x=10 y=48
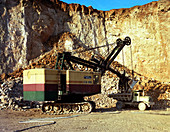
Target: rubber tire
x=142 y=106
x=119 y=105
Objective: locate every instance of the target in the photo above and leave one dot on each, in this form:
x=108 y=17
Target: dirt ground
x=100 y=121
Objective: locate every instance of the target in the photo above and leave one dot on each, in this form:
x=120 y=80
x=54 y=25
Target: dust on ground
x=103 y=120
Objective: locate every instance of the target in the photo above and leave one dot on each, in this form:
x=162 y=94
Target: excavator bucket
x=133 y=83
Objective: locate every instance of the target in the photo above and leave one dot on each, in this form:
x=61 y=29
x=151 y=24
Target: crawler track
x=66 y=108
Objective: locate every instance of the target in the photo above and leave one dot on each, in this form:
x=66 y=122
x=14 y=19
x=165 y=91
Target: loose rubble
x=11 y=93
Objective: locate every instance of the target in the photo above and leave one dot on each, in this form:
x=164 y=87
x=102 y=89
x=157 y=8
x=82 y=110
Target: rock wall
x=3 y=34
x=41 y=21
x=13 y=36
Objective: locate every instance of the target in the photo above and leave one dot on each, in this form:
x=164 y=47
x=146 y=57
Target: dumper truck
x=136 y=98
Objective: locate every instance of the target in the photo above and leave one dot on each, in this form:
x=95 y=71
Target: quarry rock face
x=30 y=28
x=13 y=36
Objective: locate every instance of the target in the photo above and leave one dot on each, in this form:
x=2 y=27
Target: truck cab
x=139 y=95
x=143 y=100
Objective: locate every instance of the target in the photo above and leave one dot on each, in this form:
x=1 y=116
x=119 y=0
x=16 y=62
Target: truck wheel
x=119 y=105
x=142 y=106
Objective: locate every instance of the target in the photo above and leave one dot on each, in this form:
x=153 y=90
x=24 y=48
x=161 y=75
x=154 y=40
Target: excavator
x=62 y=90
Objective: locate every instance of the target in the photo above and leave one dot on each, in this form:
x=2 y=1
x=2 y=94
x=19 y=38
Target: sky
x=106 y=5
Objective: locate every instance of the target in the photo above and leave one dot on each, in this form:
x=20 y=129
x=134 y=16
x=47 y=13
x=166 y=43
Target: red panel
x=40 y=87
x=77 y=88
x=33 y=87
x=51 y=87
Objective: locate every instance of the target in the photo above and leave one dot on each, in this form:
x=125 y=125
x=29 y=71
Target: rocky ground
x=104 y=120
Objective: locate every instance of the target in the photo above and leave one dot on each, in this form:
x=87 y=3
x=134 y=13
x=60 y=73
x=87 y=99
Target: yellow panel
x=33 y=76
x=82 y=77
x=41 y=76
x=53 y=76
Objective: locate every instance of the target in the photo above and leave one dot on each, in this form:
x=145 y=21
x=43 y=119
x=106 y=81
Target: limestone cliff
x=27 y=26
